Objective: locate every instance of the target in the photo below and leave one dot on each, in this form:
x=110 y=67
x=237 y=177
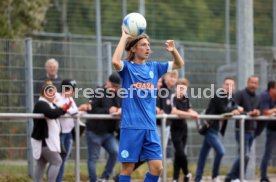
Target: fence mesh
x=205 y=65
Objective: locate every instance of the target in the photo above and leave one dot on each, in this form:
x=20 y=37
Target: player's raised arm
x=118 y=54
x=178 y=60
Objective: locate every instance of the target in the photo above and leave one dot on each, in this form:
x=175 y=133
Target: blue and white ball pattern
x=134 y=24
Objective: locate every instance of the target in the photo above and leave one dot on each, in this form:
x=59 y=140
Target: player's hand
x=125 y=34
x=170 y=46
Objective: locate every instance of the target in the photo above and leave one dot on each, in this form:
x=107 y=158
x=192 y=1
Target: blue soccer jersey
x=139 y=82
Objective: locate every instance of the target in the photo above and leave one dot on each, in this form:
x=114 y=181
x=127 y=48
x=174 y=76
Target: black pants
x=179 y=139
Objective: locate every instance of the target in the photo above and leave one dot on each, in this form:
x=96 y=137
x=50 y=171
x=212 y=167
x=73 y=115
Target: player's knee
x=156 y=169
x=127 y=169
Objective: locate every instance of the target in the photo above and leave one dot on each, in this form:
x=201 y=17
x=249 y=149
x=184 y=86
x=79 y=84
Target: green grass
x=18 y=171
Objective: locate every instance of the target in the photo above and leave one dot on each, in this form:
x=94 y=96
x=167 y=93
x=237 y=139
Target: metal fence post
x=99 y=43
x=163 y=138
x=77 y=149
x=242 y=148
x=182 y=53
x=107 y=59
x=29 y=100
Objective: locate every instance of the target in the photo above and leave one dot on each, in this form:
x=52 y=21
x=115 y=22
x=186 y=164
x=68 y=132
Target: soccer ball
x=134 y=24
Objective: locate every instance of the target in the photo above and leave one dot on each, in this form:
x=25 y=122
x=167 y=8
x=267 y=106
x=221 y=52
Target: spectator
x=67 y=124
x=51 y=68
x=100 y=133
x=219 y=104
x=248 y=99
x=164 y=100
x=268 y=100
x=45 y=139
x=179 y=129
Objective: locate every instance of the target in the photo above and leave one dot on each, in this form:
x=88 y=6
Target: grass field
x=13 y=171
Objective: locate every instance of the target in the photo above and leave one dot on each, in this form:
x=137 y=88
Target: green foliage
x=188 y=20
x=21 y=16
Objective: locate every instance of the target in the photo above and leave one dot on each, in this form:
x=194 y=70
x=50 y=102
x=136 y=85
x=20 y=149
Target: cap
x=69 y=83
x=115 y=79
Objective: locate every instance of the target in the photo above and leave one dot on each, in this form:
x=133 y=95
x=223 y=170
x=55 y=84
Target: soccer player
x=139 y=138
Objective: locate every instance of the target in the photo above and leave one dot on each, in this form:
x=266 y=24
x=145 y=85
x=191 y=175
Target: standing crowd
x=135 y=138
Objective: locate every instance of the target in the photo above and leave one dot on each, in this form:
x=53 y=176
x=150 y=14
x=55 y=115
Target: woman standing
x=45 y=139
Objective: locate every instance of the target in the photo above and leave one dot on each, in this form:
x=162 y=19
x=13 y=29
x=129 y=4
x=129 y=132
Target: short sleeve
x=123 y=66
x=122 y=71
x=164 y=68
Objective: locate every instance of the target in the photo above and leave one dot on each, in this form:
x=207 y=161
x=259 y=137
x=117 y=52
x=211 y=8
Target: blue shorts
x=138 y=145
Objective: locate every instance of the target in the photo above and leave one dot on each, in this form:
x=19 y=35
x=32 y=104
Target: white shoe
x=238 y=180
x=216 y=179
x=101 y=180
x=188 y=177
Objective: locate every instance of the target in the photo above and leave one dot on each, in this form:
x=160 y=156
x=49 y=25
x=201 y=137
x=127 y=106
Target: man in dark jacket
x=268 y=103
x=250 y=101
x=221 y=103
x=100 y=132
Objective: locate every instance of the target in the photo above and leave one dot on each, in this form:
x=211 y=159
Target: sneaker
x=264 y=180
x=216 y=179
x=238 y=180
x=188 y=177
x=101 y=180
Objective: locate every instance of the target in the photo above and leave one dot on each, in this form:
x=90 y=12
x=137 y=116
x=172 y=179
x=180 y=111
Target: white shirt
x=67 y=124
x=53 y=140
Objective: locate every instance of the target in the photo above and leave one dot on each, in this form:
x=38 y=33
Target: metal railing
x=163 y=117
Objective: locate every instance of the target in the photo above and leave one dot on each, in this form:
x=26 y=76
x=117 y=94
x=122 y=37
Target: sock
x=151 y=178
x=123 y=178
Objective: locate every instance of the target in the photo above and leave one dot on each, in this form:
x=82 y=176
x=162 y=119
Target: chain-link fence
x=205 y=65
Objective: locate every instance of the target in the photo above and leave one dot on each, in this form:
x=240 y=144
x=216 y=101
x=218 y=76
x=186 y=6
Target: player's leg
x=152 y=152
x=131 y=142
x=126 y=171
x=155 y=170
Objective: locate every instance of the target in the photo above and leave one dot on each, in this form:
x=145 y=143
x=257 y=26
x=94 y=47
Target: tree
x=19 y=17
